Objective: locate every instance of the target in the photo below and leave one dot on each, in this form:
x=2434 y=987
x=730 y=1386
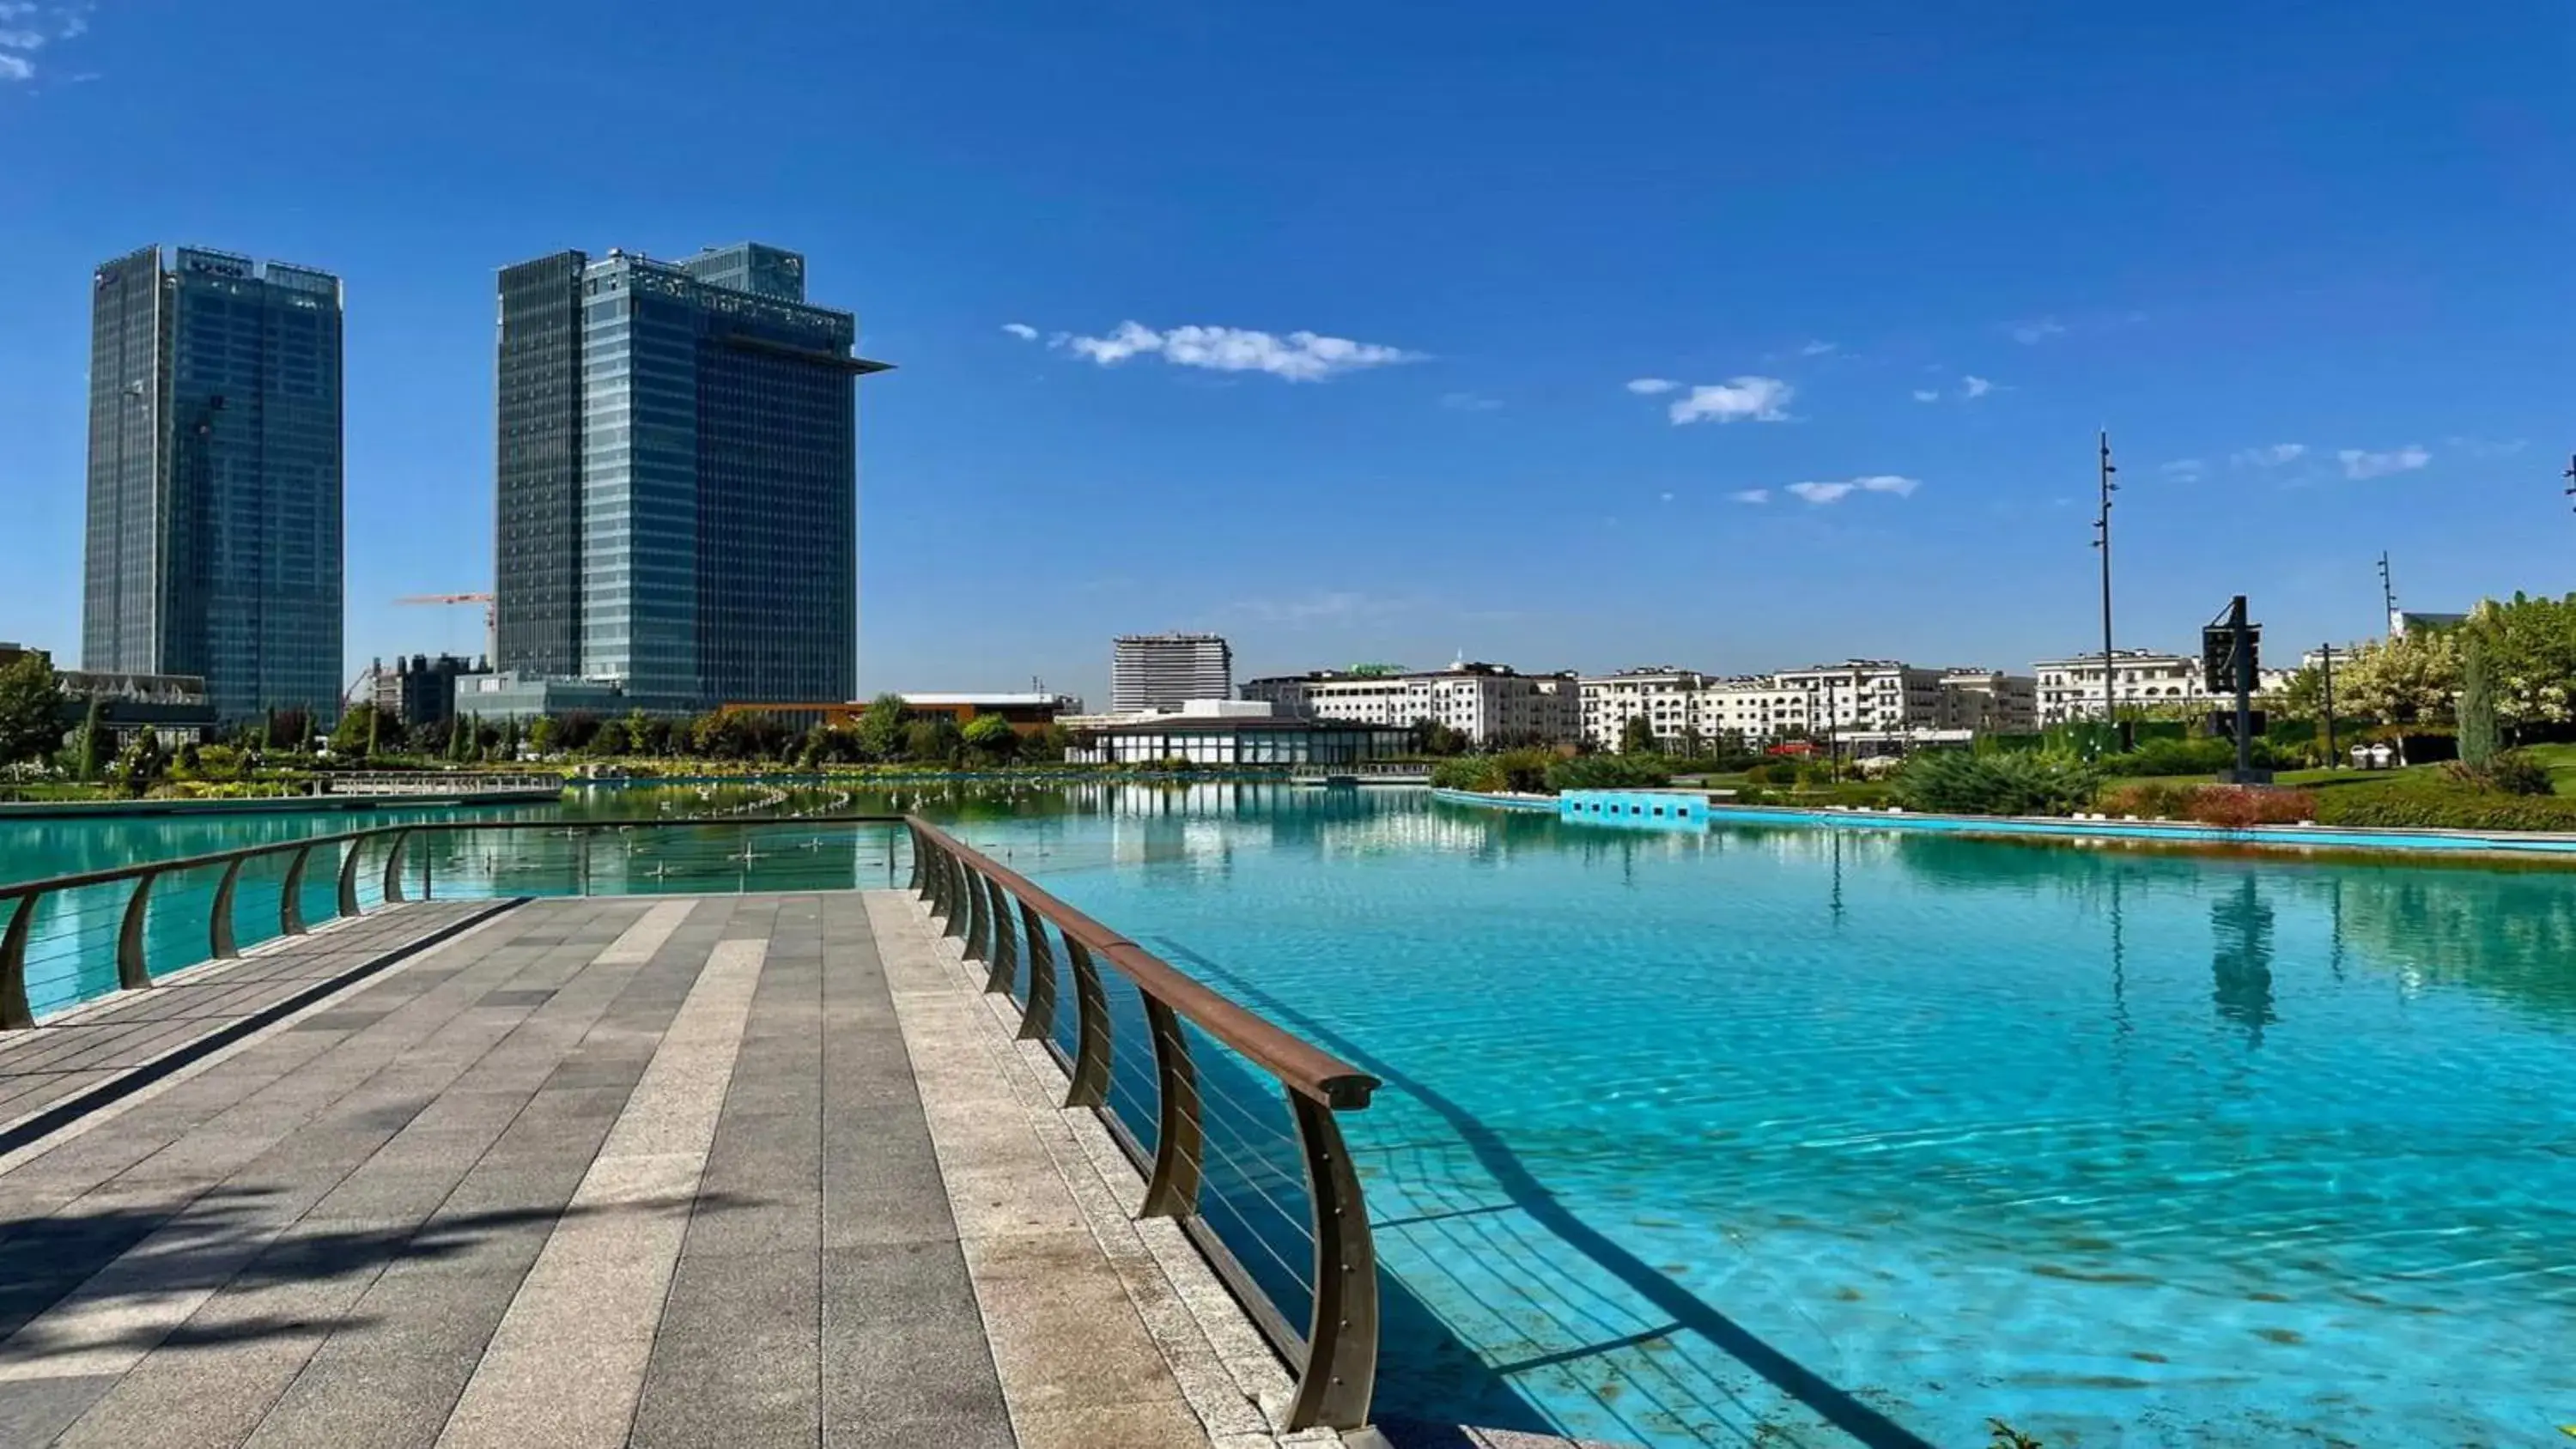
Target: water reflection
x=2240 y=962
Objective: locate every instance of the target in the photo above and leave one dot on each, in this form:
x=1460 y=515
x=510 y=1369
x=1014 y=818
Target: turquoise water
x=1796 y=1136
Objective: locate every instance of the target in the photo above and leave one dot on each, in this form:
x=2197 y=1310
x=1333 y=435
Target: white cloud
x=1750 y=495
x=1298 y=357
x=1468 y=402
x=14 y=68
x=1927 y=394
x=1760 y=399
x=1973 y=386
x=27 y=27
x=2035 y=331
x=2270 y=456
x=1818 y=349
x=1822 y=493
x=1664 y=497
x=2358 y=464
x=1021 y=330
x=1649 y=386
x=2184 y=470
x=22 y=40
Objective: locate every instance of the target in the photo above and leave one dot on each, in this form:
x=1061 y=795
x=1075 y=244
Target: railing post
x=219 y=920
x=953 y=923
x=1340 y=1373
x=1037 y=1018
x=425 y=857
x=1005 y=964
x=978 y=943
x=393 y=869
x=290 y=911
x=914 y=833
x=1173 y=1192
x=132 y=972
x=1089 y=1086
x=349 y=878
x=14 y=1014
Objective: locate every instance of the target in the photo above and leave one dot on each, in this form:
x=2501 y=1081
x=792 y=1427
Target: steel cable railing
x=1173 y=1068
x=73 y=938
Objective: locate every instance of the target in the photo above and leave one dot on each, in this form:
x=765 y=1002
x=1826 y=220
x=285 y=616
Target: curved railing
x=369 y=867
x=1003 y=918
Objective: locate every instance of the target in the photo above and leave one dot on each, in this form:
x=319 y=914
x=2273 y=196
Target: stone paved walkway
x=63 y=1066
x=595 y=1172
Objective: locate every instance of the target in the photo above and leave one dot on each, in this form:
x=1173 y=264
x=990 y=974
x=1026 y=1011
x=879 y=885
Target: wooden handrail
x=1300 y=1066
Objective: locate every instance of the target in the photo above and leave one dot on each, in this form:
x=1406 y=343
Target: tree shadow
x=227 y=1244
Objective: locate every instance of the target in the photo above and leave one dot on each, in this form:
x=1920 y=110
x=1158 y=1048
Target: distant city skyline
x=1771 y=336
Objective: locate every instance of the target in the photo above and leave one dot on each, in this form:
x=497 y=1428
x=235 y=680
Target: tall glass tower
x=678 y=478
x=214 y=538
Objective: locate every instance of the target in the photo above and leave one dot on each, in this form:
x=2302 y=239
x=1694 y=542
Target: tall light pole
x=2102 y=541
x=2570 y=476
x=2327 y=653
x=2388 y=589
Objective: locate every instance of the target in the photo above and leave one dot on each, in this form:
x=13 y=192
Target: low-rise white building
x=1490 y=704
x=2071 y=689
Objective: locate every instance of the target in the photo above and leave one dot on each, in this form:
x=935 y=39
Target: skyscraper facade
x=214 y=531
x=1161 y=671
x=678 y=478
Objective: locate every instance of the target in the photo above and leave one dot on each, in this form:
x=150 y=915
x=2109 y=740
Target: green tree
x=1439 y=739
x=93 y=728
x=31 y=709
x=1050 y=744
x=2408 y=680
x=881 y=728
x=2530 y=647
x=510 y=738
x=932 y=741
x=611 y=738
x=2304 y=697
x=991 y=738
x=460 y=739
x=542 y=734
x=353 y=738
x=643 y=735
x=2480 y=739
x=1637 y=736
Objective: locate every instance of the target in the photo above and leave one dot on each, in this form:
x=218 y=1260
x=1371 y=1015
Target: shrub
x=2238 y=806
x=2188 y=757
x=2508 y=772
x=1958 y=783
x=2445 y=810
x=2151 y=800
x=1519 y=771
x=1609 y=772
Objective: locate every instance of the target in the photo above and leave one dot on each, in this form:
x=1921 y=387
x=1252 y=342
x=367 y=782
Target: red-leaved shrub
x=2234 y=807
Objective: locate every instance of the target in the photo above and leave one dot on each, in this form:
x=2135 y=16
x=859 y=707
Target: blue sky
x=2309 y=262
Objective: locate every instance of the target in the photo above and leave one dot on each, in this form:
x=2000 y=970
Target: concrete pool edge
x=2535 y=844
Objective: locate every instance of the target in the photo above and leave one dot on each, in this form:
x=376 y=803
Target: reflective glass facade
x=214 y=540
x=715 y=556
x=537 y=547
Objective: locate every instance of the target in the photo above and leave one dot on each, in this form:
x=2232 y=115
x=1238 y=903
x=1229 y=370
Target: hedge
x=2444 y=810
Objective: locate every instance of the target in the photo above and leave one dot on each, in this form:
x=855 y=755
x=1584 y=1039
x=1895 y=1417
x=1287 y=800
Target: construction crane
x=491 y=616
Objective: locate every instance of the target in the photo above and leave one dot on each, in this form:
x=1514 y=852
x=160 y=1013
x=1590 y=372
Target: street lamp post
x=2327 y=654
x=2102 y=541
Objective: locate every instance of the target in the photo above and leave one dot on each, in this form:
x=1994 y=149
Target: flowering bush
x=2234 y=807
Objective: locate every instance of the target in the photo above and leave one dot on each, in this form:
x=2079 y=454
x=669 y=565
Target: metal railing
x=1199 y=1131
x=369 y=866
x=435 y=782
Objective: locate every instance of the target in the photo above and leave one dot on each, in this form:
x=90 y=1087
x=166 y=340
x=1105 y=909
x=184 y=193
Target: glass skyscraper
x=214 y=537
x=678 y=478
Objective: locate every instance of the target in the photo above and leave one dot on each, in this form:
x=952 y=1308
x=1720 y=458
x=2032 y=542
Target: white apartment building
x=1868 y=694
x=2071 y=689
x=1668 y=698
x=1756 y=709
x=1162 y=671
x=1490 y=704
x=1989 y=701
